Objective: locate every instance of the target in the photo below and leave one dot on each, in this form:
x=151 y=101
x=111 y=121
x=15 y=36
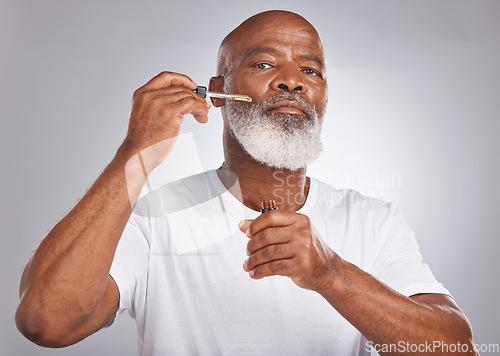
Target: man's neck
x=259 y=182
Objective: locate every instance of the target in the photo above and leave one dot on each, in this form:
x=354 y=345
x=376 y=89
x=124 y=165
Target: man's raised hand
x=158 y=109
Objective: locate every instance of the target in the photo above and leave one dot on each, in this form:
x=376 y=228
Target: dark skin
x=258 y=63
x=66 y=291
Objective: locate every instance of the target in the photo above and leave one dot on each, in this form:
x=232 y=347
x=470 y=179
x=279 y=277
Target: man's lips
x=287 y=107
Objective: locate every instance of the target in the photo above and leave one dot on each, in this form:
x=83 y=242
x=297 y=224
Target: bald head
x=268 y=24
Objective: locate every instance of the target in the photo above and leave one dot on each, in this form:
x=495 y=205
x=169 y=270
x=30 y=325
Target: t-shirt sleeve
x=399 y=263
x=129 y=267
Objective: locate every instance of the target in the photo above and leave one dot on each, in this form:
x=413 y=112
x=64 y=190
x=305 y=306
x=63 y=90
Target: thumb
x=244 y=224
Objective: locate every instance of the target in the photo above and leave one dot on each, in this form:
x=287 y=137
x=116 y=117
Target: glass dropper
x=204 y=93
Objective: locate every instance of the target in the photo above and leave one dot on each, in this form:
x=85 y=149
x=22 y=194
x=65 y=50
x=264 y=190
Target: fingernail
x=248 y=252
x=251 y=273
x=245 y=265
x=248 y=232
x=240 y=224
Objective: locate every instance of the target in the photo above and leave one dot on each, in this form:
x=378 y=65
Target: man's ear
x=216 y=84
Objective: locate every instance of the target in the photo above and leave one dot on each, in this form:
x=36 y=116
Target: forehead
x=284 y=37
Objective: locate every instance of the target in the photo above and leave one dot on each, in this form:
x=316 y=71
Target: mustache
x=310 y=110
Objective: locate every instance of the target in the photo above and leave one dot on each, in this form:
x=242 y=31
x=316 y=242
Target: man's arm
x=66 y=291
x=386 y=317
x=284 y=243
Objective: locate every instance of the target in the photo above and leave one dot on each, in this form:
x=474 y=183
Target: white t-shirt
x=178 y=267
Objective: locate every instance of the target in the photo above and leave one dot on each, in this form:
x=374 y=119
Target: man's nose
x=290 y=79
x=285 y=87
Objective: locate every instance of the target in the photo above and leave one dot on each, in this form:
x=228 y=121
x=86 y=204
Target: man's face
x=267 y=59
x=282 y=69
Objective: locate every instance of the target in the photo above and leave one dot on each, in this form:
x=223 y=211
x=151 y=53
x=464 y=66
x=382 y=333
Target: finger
x=176 y=88
x=202 y=119
x=175 y=93
x=177 y=103
x=274 y=268
x=179 y=99
x=268 y=254
x=269 y=236
x=190 y=105
x=166 y=79
x=200 y=98
x=272 y=218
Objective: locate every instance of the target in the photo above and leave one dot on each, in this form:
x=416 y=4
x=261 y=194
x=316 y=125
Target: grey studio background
x=413 y=118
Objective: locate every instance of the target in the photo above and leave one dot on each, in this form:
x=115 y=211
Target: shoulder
x=327 y=197
x=353 y=224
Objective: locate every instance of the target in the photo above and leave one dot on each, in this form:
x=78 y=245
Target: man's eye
x=263 y=65
x=310 y=71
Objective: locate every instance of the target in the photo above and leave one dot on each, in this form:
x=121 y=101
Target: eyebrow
x=309 y=57
x=260 y=50
x=313 y=58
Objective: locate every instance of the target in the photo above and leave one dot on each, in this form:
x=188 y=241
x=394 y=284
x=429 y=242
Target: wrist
x=334 y=277
x=135 y=160
x=150 y=156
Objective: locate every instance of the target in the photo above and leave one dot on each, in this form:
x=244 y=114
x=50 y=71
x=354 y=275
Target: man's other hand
x=287 y=244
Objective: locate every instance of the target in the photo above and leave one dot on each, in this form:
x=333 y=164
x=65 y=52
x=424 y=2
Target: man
x=353 y=268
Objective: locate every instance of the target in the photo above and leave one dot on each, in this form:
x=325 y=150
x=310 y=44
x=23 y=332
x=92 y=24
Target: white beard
x=280 y=141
